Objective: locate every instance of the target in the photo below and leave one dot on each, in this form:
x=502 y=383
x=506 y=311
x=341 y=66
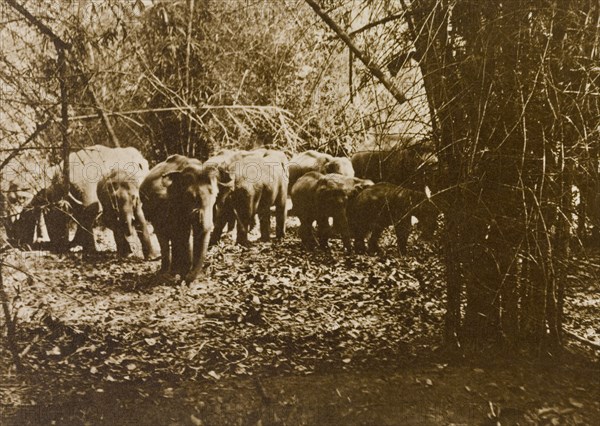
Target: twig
x=262 y=391
x=583 y=340
x=10 y=326
x=39 y=128
x=364 y=57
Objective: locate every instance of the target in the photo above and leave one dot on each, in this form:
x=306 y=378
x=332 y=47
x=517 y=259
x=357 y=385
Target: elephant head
x=339 y=165
x=191 y=196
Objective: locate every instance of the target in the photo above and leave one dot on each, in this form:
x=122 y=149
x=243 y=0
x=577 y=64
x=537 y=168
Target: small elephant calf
x=118 y=193
x=385 y=204
x=318 y=197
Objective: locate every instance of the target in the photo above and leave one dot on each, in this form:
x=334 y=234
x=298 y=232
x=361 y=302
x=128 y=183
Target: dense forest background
x=506 y=93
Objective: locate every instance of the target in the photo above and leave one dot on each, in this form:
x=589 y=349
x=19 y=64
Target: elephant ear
x=168 y=179
x=363 y=183
x=359 y=185
x=176 y=180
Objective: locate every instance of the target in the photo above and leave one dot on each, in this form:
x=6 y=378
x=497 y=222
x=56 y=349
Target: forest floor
x=272 y=335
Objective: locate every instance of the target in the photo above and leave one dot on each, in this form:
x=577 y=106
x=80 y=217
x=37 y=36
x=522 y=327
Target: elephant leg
x=264 y=215
x=162 y=233
x=359 y=244
x=244 y=216
x=306 y=232
x=374 y=239
x=85 y=230
x=181 y=251
x=359 y=230
x=230 y=220
x=22 y=231
x=280 y=218
x=222 y=219
x=323 y=231
x=242 y=234
x=359 y=239
x=340 y=223
x=57 y=223
x=402 y=229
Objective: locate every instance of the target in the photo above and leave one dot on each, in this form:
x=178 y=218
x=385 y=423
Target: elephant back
x=91 y=164
x=410 y=167
x=308 y=161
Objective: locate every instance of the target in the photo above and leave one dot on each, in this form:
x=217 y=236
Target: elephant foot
x=243 y=243
x=360 y=248
x=191 y=278
x=373 y=251
x=152 y=256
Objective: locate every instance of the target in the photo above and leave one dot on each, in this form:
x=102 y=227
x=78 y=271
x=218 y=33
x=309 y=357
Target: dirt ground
x=272 y=335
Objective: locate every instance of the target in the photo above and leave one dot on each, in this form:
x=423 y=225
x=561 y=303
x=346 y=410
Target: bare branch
x=363 y=56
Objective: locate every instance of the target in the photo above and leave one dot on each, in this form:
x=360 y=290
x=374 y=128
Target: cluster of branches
x=515 y=99
x=190 y=77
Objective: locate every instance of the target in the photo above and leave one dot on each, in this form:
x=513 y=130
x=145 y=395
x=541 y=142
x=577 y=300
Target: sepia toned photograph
x=299 y=212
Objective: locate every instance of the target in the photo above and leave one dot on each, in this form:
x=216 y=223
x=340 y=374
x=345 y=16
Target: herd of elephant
x=189 y=203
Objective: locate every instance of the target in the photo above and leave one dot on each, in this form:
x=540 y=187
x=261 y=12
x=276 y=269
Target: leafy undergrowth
x=582 y=301
x=108 y=333
x=273 y=308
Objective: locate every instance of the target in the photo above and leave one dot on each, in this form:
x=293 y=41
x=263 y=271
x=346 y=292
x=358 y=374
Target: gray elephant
x=412 y=167
x=119 y=197
x=318 y=197
x=80 y=205
x=314 y=161
x=178 y=197
x=258 y=181
x=385 y=204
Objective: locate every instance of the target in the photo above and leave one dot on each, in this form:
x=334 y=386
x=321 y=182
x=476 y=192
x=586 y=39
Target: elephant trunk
x=128 y=221
x=124 y=206
x=201 y=227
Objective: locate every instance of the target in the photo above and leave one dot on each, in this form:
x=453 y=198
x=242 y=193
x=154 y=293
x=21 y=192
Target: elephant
x=122 y=212
x=246 y=168
x=412 y=167
x=86 y=168
x=385 y=204
x=319 y=197
x=314 y=161
x=178 y=197
x=226 y=161
x=258 y=182
x=305 y=207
